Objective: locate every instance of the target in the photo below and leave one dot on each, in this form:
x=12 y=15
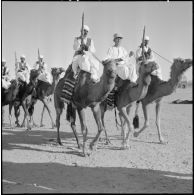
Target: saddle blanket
x=67 y=91
x=110 y=100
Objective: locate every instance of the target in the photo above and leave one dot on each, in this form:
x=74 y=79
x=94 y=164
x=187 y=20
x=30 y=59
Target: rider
x=83 y=57
x=42 y=66
x=148 y=54
x=23 y=70
x=126 y=68
x=5 y=75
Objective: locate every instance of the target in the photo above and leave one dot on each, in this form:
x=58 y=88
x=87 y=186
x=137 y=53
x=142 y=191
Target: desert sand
x=32 y=161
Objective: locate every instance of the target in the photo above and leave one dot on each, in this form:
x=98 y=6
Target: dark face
x=22 y=59
x=117 y=41
x=146 y=42
x=3 y=63
x=85 y=32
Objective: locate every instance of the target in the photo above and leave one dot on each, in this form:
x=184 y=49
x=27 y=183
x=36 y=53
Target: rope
x=163 y=57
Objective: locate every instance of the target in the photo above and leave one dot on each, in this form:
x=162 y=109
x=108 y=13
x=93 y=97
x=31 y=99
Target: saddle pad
x=67 y=91
x=110 y=100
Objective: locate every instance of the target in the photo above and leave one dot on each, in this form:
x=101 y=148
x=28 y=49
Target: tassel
x=136 y=122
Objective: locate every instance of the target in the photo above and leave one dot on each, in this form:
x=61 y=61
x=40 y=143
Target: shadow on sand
x=58 y=178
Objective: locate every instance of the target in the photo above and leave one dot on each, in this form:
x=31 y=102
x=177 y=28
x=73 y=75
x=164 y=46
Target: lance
x=143 y=56
x=38 y=55
x=82 y=29
x=16 y=63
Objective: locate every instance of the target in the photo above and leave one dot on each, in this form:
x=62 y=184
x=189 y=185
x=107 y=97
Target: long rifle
x=16 y=63
x=82 y=29
x=143 y=39
x=38 y=55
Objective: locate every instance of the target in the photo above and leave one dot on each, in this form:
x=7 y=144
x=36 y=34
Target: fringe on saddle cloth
x=111 y=99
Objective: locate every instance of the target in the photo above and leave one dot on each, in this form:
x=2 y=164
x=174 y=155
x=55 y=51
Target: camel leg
x=84 y=129
x=46 y=106
x=73 y=126
x=97 y=115
x=3 y=114
x=146 y=123
x=26 y=114
x=161 y=139
x=130 y=127
x=10 y=115
x=103 y=110
x=17 y=114
x=58 y=114
x=43 y=110
x=123 y=131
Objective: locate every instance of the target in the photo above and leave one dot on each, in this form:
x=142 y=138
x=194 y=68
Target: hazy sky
x=52 y=26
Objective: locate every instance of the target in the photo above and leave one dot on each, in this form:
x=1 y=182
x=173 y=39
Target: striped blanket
x=67 y=91
x=111 y=100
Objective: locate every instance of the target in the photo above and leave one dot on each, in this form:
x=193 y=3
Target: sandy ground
x=32 y=162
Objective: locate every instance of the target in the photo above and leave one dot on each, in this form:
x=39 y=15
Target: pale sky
x=52 y=26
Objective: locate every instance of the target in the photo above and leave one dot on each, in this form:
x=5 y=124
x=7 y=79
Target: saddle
x=68 y=87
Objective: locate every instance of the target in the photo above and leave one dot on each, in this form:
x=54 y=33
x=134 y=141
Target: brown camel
x=44 y=90
x=127 y=95
x=10 y=95
x=24 y=94
x=158 y=89
x=86 y=94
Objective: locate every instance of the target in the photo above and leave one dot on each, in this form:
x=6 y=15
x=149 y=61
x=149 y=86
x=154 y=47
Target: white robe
x=139 y=54
x=85 y=62
x=126 y=68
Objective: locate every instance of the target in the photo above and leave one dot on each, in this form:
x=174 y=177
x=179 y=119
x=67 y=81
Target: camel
x=127 y=95
x=86 y=94
x=24 y=95
x=10 y=95
x=158 y=89
x=43 y=91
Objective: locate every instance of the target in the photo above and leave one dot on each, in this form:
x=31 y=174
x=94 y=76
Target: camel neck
x=142 y=88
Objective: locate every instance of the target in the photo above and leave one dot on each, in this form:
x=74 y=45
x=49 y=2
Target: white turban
x=86 y=27
x=146 y=38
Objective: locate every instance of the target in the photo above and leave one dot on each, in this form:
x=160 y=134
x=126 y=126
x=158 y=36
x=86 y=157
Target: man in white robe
x=126 y=68
x=149 y=56
x=83 y=58
x=42 y=66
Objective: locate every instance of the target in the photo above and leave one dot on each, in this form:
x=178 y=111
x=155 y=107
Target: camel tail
x=70 y=113
x=136 y=122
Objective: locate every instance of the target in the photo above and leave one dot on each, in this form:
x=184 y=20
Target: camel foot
x=53 y=126
x=22 y=125
x=162 y=141
x=108 y=142
x=59 y=142
x=79 y=146
x=17 y=124
x=35 y=125
x=42 y=125
x=136 y=134
x=125 y=145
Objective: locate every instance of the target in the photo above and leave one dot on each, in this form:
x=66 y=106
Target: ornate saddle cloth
x=110 y=100
x=67 y=91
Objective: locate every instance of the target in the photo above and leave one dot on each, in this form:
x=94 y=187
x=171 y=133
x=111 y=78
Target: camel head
x=146 y=69
x=34 y=75
x=14 y=87
x=110 y=67
x=55 y=72
x=179 y=66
